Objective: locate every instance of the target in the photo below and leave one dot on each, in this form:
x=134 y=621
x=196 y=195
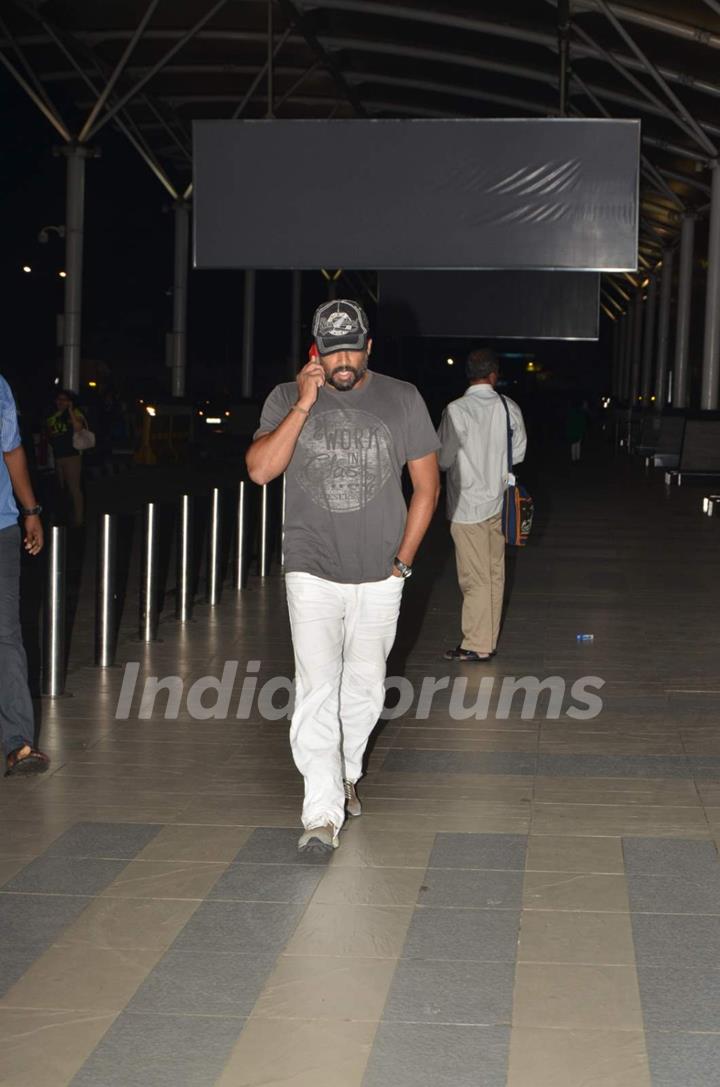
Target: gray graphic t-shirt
x=345 y=512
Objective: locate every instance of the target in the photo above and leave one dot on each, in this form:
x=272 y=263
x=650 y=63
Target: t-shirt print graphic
x=346 y=459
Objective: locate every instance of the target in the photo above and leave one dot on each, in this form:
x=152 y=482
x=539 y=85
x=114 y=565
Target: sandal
x=466 y=655
x=35 y=762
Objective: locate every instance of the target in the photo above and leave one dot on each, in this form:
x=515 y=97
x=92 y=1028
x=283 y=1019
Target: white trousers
x=342 y=635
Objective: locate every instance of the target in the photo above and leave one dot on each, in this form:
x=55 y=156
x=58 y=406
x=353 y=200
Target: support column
x=636 y=349
x=615 y=365
x=180 y=281
x=649 y=341
x=622 y=355
x=682 y=340
x=297 y=360
x=711 y=346
x=627 y=362
x=663 y=329
x=248 y=332
x=74 y=226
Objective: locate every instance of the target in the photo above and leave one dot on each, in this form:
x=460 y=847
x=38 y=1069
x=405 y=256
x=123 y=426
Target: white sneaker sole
x=317 y=841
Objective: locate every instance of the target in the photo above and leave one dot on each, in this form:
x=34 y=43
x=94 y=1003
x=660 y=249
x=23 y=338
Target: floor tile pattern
x=530 y=898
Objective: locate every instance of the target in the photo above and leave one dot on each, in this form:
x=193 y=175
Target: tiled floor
x=530 y=899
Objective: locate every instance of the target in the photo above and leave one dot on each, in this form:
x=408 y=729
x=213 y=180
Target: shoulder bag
x=518 y=506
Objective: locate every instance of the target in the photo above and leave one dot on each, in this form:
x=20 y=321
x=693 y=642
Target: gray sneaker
x=318 y=840
x=352 y=804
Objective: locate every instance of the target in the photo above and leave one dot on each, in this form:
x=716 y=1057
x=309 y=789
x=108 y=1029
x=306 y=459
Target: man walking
x=343 y=434
x=17 y=724
x=473 y=437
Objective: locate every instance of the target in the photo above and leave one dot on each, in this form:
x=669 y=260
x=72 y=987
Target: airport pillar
x=711 y=347
x=75 y=157
x=649 y=341
x=180 y=285
x=682 y=339
x=661 y=392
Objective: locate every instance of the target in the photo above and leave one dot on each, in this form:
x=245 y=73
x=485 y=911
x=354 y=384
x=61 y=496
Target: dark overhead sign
x=513 y=305
x=544 y=194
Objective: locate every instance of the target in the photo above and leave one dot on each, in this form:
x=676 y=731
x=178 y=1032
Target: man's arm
x=449 y=442
x=16 y=463
x=519 y=437
x=425 y=479
x=269 y=455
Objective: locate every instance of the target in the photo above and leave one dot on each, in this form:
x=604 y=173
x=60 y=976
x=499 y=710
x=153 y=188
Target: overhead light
x=92 y=384
x=152 y=412
x=214 y=420
x=227 y=414
x=450 y=362
x=27 y=268
x=63 y=275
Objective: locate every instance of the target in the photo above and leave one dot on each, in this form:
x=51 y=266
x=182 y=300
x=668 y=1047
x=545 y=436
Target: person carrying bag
x=69 y=436
x=480 y=443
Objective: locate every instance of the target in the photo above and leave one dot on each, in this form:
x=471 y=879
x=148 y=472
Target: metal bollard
x=214 y=553
x=106 y=597
x=264 y=555
x=241 y=544
x=184 y=585
x=53 y=671
x=148 y=582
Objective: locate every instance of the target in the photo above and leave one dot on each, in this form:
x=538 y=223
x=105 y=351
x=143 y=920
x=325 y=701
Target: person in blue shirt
x=17 y=723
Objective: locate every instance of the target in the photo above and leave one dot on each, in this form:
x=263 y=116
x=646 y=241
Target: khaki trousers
x=480 y=558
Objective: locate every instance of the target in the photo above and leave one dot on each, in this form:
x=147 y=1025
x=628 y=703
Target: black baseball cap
x=340 y=325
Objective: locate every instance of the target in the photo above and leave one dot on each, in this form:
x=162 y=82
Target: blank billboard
x=557 y=193
x=512 y=305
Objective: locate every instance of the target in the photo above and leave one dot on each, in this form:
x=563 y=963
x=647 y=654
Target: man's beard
x=355 y=374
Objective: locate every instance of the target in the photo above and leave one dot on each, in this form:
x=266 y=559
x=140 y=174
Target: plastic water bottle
x=584 y=637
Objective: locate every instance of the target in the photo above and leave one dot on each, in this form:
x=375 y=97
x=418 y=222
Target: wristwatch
x=34 y=511
x=405 y=570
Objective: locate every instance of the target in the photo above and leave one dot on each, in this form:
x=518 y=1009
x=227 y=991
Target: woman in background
x=61 y=426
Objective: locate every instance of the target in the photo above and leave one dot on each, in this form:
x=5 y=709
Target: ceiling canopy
x=150 y=67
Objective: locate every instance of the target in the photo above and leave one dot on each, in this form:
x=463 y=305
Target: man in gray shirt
x=342 y=434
